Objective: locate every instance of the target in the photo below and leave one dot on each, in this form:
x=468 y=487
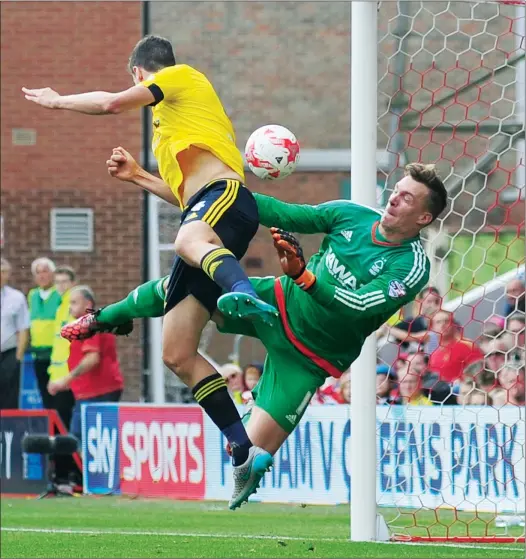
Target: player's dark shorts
x=231 y=210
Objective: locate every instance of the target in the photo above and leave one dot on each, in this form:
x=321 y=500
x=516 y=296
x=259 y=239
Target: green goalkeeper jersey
x=362 y=279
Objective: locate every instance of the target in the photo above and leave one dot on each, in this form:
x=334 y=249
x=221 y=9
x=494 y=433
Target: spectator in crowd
x=511 y=379
x=342 y=395
x=479 y=398
x=334 y=391
x=94 y=373
x=251 y=375
x=438 y=391
x=454 y=352
x=499 y=397
x=515 y=326
x=473 y=369
x=419 y=363
x=399 y=362
x=44 y=301
x=62 y=401
x=486 y=381
x=385 y=384
x=497 y=353
x=326 y=394
x=492 y=329
x=413 y=334
x=14 y=339
x=515 y=296
x=465 y=388
x=410 y=388
x=233 y=375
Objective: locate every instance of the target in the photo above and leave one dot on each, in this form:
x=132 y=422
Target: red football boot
x=87 y=326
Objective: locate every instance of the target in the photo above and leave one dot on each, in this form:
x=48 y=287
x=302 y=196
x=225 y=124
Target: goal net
x=451 y=92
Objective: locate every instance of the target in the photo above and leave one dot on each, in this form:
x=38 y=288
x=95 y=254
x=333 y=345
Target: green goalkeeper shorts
x=289 y=378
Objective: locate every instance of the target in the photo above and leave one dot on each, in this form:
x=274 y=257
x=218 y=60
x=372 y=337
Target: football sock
x=145 y=301
x=224 y=268
x=212 y=395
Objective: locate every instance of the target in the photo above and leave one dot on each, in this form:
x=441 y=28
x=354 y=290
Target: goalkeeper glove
x=291 y=258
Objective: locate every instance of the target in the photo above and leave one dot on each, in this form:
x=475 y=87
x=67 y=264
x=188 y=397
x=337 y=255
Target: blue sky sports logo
x=100 y=446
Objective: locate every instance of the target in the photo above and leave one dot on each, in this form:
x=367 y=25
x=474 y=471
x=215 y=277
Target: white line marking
x=81 y=531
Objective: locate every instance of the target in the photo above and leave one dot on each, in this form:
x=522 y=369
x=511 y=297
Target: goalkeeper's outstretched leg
x=145 y=301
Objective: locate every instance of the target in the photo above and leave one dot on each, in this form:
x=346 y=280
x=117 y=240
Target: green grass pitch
x=120 y=527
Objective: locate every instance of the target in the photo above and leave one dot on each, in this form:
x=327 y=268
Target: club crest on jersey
x=396 y=289
x=377 y=267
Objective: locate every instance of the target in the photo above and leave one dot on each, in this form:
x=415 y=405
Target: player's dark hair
x=67 y=271
x=152 y=53
x=427 y=175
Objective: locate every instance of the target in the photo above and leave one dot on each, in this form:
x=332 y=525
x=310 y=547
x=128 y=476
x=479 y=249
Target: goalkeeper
x=368 y=266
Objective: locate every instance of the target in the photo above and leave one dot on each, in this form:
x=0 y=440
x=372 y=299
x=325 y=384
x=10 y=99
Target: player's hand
x=46 y=97
x=121 y=165
x=291 y=258
x=289 y=251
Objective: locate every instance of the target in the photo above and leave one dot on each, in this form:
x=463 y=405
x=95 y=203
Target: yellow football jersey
x=188 y=112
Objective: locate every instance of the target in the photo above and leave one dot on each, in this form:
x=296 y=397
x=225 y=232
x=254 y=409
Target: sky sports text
x=135 y=450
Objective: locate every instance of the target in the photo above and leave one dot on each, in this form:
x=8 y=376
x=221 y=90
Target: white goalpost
x=364 y=89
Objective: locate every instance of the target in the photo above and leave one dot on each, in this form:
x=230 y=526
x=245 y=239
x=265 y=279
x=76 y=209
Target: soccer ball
x=272 y=152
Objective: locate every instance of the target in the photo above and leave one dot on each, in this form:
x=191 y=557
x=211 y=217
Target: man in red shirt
x=94 y=371
x=454 y=353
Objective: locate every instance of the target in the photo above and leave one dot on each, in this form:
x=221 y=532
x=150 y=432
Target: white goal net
x=451 y=92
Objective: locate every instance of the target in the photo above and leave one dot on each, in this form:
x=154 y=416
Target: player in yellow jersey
x=194 y=143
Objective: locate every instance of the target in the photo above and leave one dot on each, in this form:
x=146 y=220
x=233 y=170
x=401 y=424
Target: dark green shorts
x=289 y=378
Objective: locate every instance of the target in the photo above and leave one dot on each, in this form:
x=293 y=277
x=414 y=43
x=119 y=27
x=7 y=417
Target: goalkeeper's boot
x=87 y=326
x=248 y=476
x=245 y=305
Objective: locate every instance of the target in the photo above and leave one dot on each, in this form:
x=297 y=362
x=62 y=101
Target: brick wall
x=282 y=62
x=72 y=47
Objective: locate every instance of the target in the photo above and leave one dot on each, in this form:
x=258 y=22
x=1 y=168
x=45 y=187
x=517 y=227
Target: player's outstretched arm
x=121 y=165
x=387 y=293
x=298 y=218
x=94 y=102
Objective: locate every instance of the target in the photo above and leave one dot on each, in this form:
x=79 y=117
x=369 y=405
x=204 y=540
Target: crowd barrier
x=468 y=458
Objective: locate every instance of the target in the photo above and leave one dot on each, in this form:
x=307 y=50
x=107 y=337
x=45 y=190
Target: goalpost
x=363 y=166
x=442 y=82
